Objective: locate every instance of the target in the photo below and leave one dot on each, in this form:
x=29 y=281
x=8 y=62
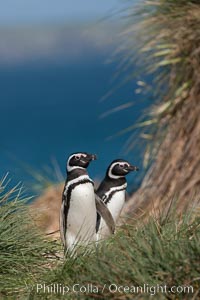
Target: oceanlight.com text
x=58 y=288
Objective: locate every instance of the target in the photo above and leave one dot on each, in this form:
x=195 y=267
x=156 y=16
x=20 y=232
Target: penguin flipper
x=103 y=210
x=98 y=222
x=62 y=224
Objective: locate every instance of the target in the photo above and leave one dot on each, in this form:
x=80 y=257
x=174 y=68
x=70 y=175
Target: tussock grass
x=161 y=38
x=23 y=250
x=165 y=250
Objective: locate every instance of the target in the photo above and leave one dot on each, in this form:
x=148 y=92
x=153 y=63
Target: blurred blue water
x=49 y=110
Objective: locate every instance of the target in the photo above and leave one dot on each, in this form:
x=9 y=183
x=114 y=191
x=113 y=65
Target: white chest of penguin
x=116 y=204
x=82 y=210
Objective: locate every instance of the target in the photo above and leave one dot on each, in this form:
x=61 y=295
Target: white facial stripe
x=110 y=171
x=70 y=168
x=80 y=178
x=113 y=189
x=80 y=154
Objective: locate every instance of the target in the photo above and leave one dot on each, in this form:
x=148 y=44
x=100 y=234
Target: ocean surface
x=51 y=109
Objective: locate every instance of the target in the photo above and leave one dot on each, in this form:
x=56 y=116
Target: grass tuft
x=163 y=251
x=23 y=249
x=162 y=39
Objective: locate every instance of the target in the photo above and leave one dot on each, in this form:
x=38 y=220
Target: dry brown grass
x=46 y=209
x=165 y=35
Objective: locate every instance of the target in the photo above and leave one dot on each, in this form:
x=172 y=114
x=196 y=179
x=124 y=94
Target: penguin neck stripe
x=76 y=180
x=113 y=190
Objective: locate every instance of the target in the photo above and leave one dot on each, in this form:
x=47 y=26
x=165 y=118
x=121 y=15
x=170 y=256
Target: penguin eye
x=77 y=157
x=121 y=165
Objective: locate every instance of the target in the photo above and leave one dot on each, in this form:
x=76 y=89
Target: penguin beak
x=91 y=157
x=132 y=168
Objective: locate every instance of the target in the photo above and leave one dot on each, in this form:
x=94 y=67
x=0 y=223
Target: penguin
x=78 y=214
x=112 y=191
x=80 y=205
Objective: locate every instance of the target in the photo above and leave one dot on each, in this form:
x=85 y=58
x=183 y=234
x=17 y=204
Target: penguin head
x=79 y=160
x=119 y=168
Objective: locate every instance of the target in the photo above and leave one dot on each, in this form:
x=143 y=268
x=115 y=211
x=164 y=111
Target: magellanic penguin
x=112 y=191
x=78 y=210
x=78 y=214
